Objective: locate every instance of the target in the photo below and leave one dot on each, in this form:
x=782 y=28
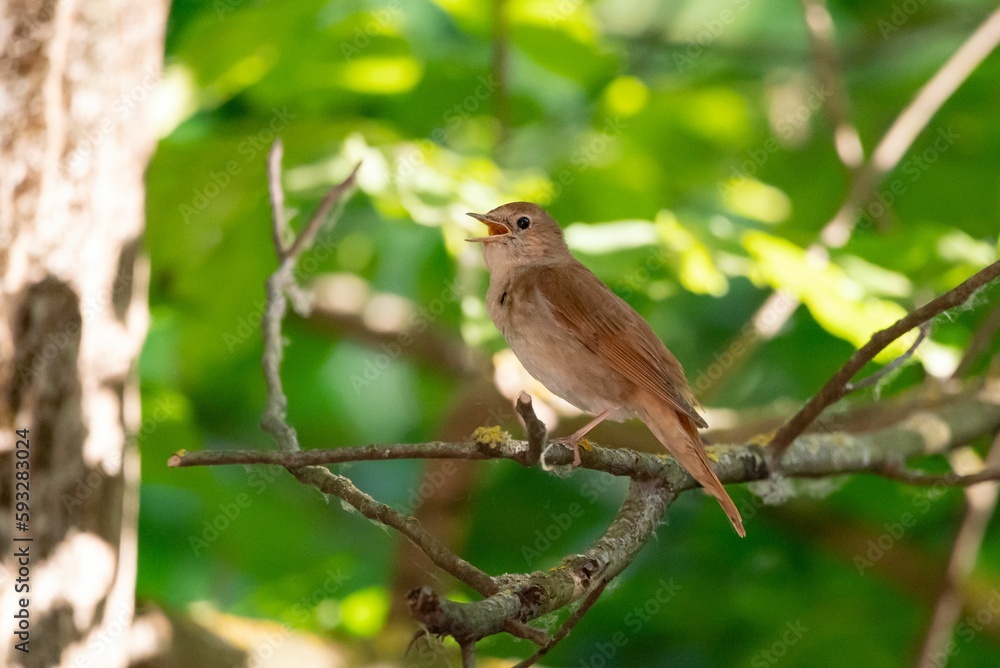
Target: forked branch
x=510 y=601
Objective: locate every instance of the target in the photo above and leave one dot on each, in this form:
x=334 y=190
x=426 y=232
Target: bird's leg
x=573 y=440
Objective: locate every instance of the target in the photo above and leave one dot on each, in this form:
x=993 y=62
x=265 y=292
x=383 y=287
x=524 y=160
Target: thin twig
x=417 y=635
x=965 y=416
x=279 y=224
x=923 y=479
x=981 y=502
x=274 y=415
x=945 y=426
x=361 y=453
x=468 y=654
x=339 y=486
x=938 y=90
x=308 y=234
x=274 y=422
x=513 y=599
x=846 y=140
x=980 y=341
x=278 y=285
x=527 y=597
x=908 y=126
x=835 y=388
x=535 y=429
x=874 y=378
x=567 y=626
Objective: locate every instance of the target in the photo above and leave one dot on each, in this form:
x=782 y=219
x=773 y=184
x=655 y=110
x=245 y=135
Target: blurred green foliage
x=684 y=146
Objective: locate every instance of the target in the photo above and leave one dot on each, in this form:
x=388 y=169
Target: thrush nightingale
x=584 y=342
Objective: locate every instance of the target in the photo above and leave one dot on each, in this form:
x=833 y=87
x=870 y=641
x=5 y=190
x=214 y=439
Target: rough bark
x=656 y=481
x=74 y=144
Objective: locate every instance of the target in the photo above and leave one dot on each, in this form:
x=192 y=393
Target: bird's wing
x=587 y=309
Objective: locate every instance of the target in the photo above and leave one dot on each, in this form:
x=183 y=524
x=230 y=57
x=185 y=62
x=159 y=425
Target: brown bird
x=584 y=342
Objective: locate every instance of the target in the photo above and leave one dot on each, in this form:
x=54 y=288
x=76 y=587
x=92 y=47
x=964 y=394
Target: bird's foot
x=574 y=444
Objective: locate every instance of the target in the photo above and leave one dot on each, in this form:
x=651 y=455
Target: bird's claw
x=574 y=445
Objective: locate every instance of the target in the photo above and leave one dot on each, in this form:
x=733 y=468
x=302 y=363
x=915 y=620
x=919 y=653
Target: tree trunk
x=77 y=79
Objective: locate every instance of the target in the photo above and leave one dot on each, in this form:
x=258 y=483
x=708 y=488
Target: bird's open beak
x=496 y=229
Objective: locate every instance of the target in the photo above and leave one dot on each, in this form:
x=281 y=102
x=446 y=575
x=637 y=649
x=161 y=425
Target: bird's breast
x=551 y=354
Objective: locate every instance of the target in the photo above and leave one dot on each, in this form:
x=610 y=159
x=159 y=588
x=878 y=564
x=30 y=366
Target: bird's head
x=521 y=234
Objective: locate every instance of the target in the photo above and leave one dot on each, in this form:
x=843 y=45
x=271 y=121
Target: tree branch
x=307 y=236
x=926 y=431
x=535 y=429
x=981 y=502
x=339 y=486
x=868 y=381
x=923 y=479
x=425 y=343
x=865 y=180
x=567 y=626
x=908 y=126
x=836 y=387
x=846 y=140
x=279 y=224
x=512 y=600
x=980 y=341
x=656 y=481
x=278 y=285
x=526 y=597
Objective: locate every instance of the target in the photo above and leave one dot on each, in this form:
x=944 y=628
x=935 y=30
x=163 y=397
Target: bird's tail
x=679 y=434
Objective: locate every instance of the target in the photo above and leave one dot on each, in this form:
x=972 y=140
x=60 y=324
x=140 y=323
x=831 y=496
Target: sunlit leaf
x=838 y=303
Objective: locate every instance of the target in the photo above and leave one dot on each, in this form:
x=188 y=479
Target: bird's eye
x=523 y=222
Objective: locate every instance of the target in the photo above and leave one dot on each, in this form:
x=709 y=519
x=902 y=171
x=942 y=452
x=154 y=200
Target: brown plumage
x=585 y=343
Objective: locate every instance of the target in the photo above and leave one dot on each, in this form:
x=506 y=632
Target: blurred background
x=693 y=151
